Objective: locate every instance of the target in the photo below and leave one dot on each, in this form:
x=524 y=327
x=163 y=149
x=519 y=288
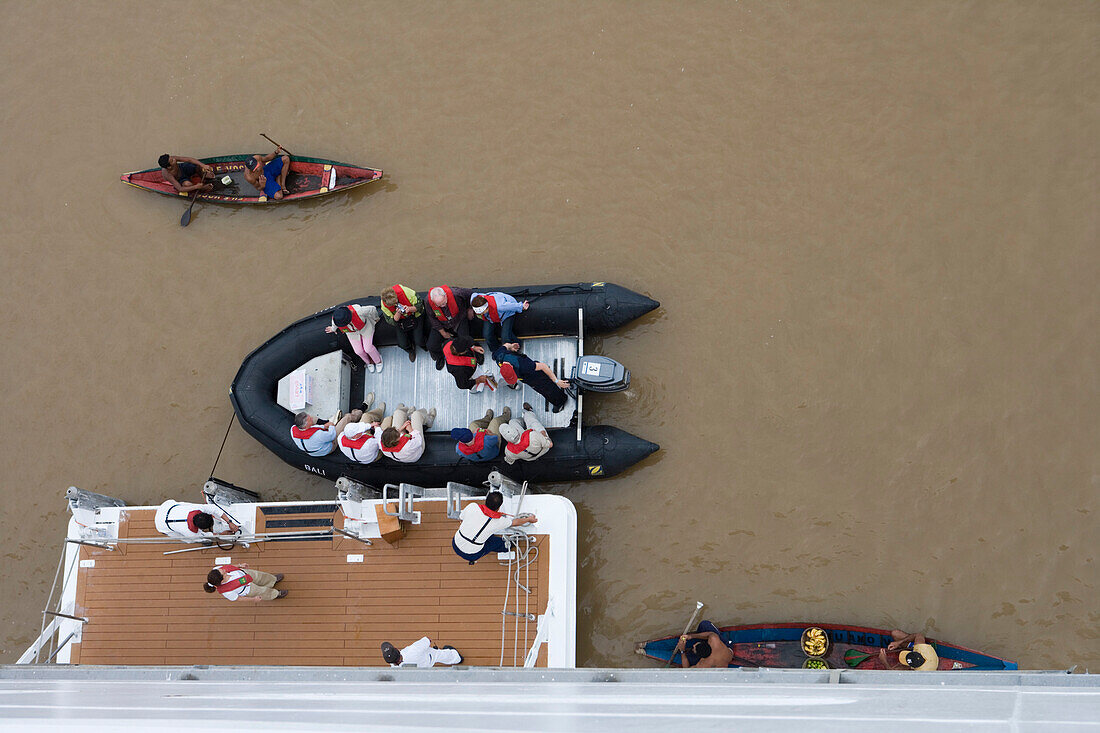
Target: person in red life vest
x=192 y=522
x=405 y=443
x=516 y=367
x=449 y=316
x=421 y=653
x=477 y=534
x=497 y=312
x=462 y=359
x=481 y=441
x=525 y=442
x=359 y=440
x=402 y=309
x=318 y=439
x=241 y=581
x=357 y=323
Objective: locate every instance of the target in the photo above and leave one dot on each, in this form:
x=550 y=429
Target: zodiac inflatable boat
x=304 y=368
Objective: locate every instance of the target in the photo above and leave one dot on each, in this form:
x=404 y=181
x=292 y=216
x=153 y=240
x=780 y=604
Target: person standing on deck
x=525 y=442
x=421 y=653
x=359 y=440
x=268 y=173
x=449 y=316
x=316 y=439
x=497 y=311
x=481 y=441
x=405 y=443
x=181 y=171
x=516 y=367
x=462 y=358
x=234 y=581
x=192 y=522
x=913 y=652
x=402 y=309
x=477 y=534
x=357 y=323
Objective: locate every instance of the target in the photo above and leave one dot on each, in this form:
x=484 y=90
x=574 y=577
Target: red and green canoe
x=780 y=645
x=308 y=177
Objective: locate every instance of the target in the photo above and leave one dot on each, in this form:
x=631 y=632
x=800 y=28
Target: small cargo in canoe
x=780 y=645
x=308 y=177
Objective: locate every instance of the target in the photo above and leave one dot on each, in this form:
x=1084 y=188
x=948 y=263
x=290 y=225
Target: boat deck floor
x=144 y=607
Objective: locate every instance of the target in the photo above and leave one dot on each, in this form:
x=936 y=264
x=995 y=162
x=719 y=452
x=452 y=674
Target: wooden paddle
x=264 y=135
x=694 y=616
x=186 y=218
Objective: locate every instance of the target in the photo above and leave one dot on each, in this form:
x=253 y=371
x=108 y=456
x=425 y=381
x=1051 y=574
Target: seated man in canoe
x=703 y=649
x=185 y=174
x=268 y=173
x=913 y=652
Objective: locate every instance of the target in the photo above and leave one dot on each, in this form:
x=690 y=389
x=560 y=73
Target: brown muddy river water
x=872 y=227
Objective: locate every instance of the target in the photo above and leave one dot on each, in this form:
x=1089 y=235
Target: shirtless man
x=268 y=173
x=913 y=652
x=707 y=646
x=179 y=169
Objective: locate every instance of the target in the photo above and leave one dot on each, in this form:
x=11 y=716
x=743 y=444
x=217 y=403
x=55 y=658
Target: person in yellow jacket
x=404 y=310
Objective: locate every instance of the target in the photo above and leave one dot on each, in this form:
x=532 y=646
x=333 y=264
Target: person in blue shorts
x=271 y=177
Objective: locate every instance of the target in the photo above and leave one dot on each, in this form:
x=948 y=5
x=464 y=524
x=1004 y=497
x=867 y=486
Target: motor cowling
x=600 y=374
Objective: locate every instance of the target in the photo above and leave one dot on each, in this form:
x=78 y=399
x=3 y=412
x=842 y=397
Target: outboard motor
x=600 y=374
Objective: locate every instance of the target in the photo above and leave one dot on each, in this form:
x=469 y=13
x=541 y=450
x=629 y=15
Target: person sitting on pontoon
x=403 y=309
x=462 y=359
x=497 y=312
x=185 y=174
x=705 y=646
x=359 y=440
x=449 y=316
x=405 y=443
x=192 y=522
x=526 y=440
x=481 y=441
x=913 y=652
x=477 y=535
x=320 y=439
x=268 y=173
x=357 y=323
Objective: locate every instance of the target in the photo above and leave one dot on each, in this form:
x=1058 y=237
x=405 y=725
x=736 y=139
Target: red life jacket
x=489 y=512
x=474 y=445
x=191 y=521
x=454 y=359
x=401 y=297
x=297 y=432
x=357 y=323
x=356 y=443
x=450 y=310
x=233 y=584
x=397 y=448
x=521 y=445
x=491 y=313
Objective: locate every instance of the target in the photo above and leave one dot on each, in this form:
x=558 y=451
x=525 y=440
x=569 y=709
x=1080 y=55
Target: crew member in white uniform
x=420 y=653
x=234 y=581
x=477 y=535
x=192 y=522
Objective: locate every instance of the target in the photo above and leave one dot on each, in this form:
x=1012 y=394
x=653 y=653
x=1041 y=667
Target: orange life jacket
x=448 y=311
x=521 y=445
x=475 y=445
x=455 y=360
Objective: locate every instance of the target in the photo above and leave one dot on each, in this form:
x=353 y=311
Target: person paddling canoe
x=706 y=646
x=268 y=173
x=185 y=174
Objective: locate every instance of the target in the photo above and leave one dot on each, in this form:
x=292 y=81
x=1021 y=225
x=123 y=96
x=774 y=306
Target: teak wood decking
x=147 y=608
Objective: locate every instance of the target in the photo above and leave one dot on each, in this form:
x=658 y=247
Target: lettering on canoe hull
x=311 y=469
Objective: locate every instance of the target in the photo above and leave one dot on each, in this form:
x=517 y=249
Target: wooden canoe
x=779 y=645
x=308 y=177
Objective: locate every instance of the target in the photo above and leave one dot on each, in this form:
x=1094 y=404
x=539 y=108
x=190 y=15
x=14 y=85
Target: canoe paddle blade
x=854 y=657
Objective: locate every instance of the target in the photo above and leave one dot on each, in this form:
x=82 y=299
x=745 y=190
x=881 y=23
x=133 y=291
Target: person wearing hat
x=497 y=312
x=481 y=441
x=316 y=438
x=185 y=174
x=402 y=309
x=516 y=367
x=914 y=652
x=421 y=653
x=525 y=442
x=449 y=316
x=234 y=581
x=477 y=534
x=268 y=173
x=359 y=440
x=357 y=323
x=405 y=443
x=462 y=359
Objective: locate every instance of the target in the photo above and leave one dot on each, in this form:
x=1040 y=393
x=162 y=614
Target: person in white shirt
x=404 y=440
x=526 y=440
x=359 y=441
x=192 y=522
x=477 y=534
x=421 y=653
x=234 y=582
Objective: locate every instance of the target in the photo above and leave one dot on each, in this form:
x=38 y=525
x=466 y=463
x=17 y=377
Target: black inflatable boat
x=304 y=368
